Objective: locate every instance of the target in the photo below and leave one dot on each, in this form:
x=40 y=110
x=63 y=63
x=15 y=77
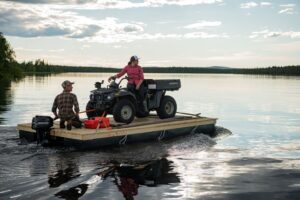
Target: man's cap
x=66 y=82
x=134 y=58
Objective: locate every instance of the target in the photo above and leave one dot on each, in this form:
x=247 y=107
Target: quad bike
x=124 y=104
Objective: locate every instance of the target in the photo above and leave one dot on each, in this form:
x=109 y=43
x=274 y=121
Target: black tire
x=96 y=113
x=124 y=111
x=167 y=108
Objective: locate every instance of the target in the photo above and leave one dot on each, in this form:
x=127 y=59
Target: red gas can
x=93 y=123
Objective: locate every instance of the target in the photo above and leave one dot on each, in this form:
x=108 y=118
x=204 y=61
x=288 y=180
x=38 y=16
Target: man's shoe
x=62 y=124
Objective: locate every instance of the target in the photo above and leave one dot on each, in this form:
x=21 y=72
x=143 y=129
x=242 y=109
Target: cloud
x=115 y=4
x=28 y=21
x=181 y=2
x=38 y=50
x=248 y=5
x=272 y=34
x=203 y=24
x=24 y=20
x=253 y=4
x=27 y=49
x=45 y=1
x=287 y=9
x=117 y=38
x=288 y=5
x=264 y=3
x=56 y=50
x=204 y=35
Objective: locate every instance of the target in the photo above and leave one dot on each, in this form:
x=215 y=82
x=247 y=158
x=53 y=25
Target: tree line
x=40 y=66
x=274 y=70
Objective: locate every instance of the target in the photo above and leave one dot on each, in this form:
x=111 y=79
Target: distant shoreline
x=36 y=68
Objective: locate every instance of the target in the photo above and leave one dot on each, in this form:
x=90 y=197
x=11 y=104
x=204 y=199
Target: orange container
x=93 y=123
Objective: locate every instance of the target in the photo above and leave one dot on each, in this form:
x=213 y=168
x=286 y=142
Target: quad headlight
x=109 y=97
x=91 y=96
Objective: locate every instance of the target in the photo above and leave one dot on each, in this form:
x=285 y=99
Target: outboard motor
x=42 y=125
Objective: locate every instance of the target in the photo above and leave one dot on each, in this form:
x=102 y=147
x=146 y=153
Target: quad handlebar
x=113 y=83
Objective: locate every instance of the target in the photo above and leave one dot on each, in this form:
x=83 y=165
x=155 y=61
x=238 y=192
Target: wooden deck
x=138 y=126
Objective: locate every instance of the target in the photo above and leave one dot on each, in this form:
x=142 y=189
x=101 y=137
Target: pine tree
x=7 y=54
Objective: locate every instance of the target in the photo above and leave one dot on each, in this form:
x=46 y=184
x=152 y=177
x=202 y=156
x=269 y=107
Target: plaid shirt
x=65 y=102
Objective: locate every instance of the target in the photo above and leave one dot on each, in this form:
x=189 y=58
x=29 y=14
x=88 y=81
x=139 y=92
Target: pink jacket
x=136 y=74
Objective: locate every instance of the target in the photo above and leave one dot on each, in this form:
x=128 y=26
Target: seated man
x=65 y=102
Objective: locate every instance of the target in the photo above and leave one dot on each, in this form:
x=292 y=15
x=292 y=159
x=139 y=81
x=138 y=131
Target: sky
x=196 y=33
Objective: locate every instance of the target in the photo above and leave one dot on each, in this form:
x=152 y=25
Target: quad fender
x=155 y=102
x=126 y=94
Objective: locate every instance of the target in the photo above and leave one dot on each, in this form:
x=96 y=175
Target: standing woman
x=136 y=78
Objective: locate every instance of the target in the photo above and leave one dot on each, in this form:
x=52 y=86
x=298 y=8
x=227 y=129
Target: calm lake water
x=256 y=154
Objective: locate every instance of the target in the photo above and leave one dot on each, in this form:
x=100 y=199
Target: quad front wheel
x=124 y=111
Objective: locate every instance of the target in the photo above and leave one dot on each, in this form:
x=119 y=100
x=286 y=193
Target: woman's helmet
x=134 y=58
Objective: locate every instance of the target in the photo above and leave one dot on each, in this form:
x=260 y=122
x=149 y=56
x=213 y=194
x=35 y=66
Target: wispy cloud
x=27 y=49
x=203 y=24
x=272 y=34
x=253 y=4
x=265 y=3
x=39 y=50
x=287 y=9
x=248 y=5
x=288 y=5
x=156 y=36
x=204 y=35
x=115 y=4
x=56 y=50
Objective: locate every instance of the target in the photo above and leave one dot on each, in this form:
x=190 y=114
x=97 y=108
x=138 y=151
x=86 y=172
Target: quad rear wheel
x=167 y=108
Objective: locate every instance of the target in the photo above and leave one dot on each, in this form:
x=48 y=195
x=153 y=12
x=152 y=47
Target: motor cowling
x=42 y=123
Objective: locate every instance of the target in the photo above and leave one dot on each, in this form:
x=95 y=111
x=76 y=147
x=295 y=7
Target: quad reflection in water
x=126 y=177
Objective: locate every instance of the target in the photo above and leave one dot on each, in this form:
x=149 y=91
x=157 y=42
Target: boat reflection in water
x=126 y=177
